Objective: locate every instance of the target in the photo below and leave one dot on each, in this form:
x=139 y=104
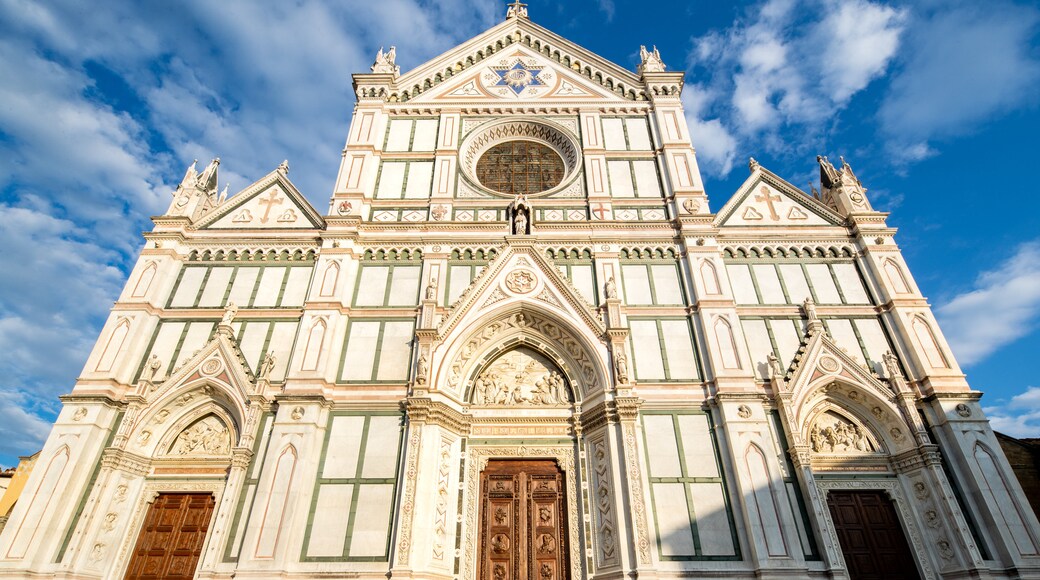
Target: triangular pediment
x=820 y=357
x=522 y=273
x=575 y=71
x=518 y=74
x=273 y=202
x=220 y=362
x=765 y=199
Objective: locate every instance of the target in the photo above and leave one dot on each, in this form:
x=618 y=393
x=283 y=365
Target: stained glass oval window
x=520 y=167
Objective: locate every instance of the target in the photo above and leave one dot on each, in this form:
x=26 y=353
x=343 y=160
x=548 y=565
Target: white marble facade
x=703 y=379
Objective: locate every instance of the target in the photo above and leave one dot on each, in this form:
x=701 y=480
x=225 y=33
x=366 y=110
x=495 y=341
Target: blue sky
x=935 y=105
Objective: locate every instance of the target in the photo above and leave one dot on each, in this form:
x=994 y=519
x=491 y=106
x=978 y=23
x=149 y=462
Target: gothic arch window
x=520 y=167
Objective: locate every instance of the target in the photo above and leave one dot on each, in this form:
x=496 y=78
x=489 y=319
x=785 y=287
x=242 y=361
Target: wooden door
x=171 y=540
x=523 y=526
x=870 y=536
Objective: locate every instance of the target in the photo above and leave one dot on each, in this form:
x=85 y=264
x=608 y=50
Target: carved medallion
x=521 y=281
x=963 y=410
x=212 y=367
x=829 y=364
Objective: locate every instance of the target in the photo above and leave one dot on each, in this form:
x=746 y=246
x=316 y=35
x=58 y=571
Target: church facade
x=519 y=345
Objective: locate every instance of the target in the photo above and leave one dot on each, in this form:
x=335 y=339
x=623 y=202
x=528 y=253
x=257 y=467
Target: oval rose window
x=520 y=167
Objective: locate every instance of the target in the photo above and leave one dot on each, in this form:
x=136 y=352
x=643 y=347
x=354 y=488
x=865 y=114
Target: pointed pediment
x=219 y=361
x=522 y=273
x=517 y=74
x=273 y=202
x=767 y=200
x=473 y=65
x=820 y=357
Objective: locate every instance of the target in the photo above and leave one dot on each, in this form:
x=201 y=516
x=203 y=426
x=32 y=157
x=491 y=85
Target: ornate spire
x=516 y=10
x=650 y=61
x=386 y=62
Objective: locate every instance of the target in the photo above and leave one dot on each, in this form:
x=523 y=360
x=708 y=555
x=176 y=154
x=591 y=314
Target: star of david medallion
x=518 y=76
x=520 y=281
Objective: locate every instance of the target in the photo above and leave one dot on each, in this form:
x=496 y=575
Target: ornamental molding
x=894 y=490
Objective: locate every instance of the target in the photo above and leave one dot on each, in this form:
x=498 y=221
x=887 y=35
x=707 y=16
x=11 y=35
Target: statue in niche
x=431 y=289
x=422 y=367
x=519 y=214
x=834 y=434
x=611 y=288
x=621 y=363
x=207 y=436
x=520 y=378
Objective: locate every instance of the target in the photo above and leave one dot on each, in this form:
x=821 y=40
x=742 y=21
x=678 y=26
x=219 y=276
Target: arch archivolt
x=843 y=421
x=578 y=360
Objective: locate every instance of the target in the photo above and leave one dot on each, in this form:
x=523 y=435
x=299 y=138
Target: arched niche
x=869 y=414
x=578 y=359
x=165 y=419
x=519 y=377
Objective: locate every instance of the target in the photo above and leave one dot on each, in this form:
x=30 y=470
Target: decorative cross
x=517 y=9
x=271 y=201
x=599 y=211
x=769 y=199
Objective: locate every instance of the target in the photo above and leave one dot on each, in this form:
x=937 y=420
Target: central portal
x=522 y=521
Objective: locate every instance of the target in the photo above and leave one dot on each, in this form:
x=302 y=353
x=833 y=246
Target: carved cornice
x=423 y=410
x=120 y=460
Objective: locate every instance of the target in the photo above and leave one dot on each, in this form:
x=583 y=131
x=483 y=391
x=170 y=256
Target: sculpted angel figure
x=229 y=314
x=267 y=366
x=611 y=288
x=774 y=366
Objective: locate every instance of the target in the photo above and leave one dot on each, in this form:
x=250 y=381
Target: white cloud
x=964 y=63
x=607 y=7
x=103 y=109
x=777 y=80
x=716 y=147
x=1003 y=306
x=1019 y=417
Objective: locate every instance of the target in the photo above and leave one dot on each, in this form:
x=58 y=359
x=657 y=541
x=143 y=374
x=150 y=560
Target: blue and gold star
x=518 y=77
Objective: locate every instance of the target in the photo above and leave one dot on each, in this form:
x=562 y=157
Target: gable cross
x=516 y=8
x=271 y=201
x=769 y=199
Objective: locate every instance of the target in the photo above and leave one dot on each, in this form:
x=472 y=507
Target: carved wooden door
x=523 y=521
x=171 y=539
x=871 y=538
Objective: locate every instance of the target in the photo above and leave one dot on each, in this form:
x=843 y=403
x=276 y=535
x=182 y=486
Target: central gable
x=516 y=60
x=517 y=74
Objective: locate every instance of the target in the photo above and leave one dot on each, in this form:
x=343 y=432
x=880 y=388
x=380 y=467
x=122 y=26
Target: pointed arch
x=277 y=502
x=726 y=342
x=114 y=344
x=710 y=278
x=330 y=279
x=763 y=498
x=995 y=485
x=570 y=346
x=930 y=346
x=312 y=350
x=896 y=277
x=40 y=502
x=144 y=281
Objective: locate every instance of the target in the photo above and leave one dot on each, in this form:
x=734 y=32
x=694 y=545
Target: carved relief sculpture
x=835 y=434
x=207 y=436
x=520 y=377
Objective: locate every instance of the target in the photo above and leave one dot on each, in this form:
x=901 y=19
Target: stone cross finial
x=516 y=10
x=284 y=166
